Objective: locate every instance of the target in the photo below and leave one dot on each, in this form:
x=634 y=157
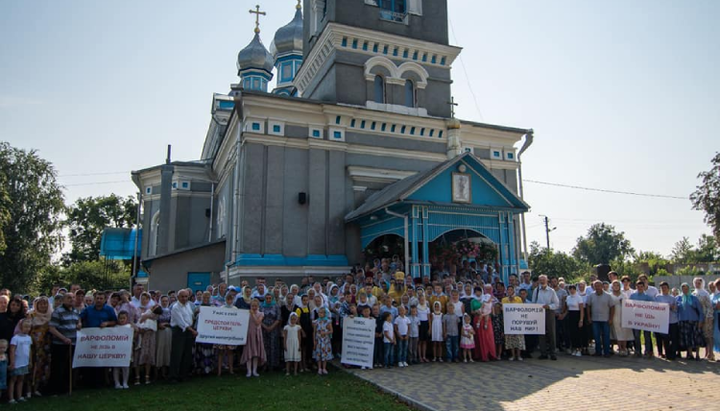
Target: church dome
x=255 y=56
x=289 y=38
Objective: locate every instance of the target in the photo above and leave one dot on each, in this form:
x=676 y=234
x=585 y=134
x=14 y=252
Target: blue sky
x=622 y=95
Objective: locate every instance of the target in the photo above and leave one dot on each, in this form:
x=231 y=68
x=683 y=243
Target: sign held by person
x=646 y=316
x=222 y=326
x=524 y=319
x=103 y=347
x=358 y=341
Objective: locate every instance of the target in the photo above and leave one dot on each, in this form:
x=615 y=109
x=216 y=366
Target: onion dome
x=255 y=56
x=289 y=38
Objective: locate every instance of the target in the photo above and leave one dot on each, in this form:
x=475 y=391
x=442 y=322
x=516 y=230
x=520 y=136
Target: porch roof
x=402 y=190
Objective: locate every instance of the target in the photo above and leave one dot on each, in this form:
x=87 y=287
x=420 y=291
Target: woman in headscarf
x=204 y=354
x=271 y=331
x=164 y=338
x=705 y=300
x=125 y=305
x=244 y=299
x=690 y=316
x=147 y=327
x=39 y=319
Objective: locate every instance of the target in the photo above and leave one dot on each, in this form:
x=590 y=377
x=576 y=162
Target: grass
x=272 y=391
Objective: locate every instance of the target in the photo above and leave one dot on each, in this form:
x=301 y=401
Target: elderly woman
x=39 y=319
x=244 y=299
x=204 y=354
x=163 y=343
x=690 y=318
x=705 y=300
x=271 y=331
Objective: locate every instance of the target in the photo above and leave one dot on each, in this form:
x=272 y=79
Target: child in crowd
x=122 y=322
x=389 y=341
x=402 y=328
x=498 y=329
x=3 y=365
x=20 y=351
x=467 y=342
x=451 y=333
x=414 y=334
x=322 y=344
x=226 y=353
x=292 y=335
x=303 y=313
x=378 y=354
x=436 y=319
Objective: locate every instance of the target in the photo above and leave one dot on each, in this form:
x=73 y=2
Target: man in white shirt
x=183 y=334
x=650 y=290
x=137 y=292
x=545 y=296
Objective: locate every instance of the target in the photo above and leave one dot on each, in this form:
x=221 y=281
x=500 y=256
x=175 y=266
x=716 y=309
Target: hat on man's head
x=399 y=275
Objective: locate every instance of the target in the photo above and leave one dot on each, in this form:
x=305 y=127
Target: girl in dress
x=437 y=331
x=225 y=352
x=254 y=351
x=498 y=329
x=292 y=334
x=467 y=341
x=123 y=318
x=163 y=342
x=322 y=346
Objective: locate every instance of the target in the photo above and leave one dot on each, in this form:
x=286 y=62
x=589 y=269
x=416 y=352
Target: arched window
x=379 y=90
x=409 y=93
x=154 y=234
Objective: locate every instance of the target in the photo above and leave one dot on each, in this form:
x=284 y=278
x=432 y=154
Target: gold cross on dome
x=257 y=14
x=299 y=6
x=452 y=104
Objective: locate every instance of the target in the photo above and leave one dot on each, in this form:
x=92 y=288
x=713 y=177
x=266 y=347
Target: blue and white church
x=357 y=142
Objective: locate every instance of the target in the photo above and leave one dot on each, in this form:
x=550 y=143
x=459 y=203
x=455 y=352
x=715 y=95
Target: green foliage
x=32 y=205
x=87 y=218
x=707 y=251
x=654 y=261
x=602 y=245
x=99 y=275
x=5 y=205
x=706 y=197
x=544 y=261
x=628 y=268
x=690 y=270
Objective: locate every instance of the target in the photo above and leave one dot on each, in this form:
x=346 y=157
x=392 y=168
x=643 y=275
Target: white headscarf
x=700 y=292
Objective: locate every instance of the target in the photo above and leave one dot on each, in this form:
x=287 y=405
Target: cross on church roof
x=257 y=14
x=299 y=6
x=452 y=104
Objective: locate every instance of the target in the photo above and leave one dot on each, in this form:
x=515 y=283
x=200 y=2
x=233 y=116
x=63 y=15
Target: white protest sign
x=646 y=315
x=358 y=341
x=103 y=347
x=524 y=319
x=222 y=326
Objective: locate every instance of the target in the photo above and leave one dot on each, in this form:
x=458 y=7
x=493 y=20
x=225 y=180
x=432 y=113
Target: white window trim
x=331 y=134
x=312 y=129
x=271 y=127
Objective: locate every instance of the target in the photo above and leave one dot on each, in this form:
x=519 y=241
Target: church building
x=356 y=143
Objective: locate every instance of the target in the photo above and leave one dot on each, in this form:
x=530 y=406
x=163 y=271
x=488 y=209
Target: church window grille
x=409 y=93
x=379 y=90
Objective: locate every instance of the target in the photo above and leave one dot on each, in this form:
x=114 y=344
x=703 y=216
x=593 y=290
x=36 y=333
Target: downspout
x=212 y=200
x=528 y=142
x=405 y=220
x=236 y=183
x=135 y=243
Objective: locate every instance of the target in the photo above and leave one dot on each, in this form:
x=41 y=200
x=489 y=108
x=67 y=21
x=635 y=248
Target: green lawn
x=272 y=391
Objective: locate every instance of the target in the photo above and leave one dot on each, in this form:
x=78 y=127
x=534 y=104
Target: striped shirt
x=65 y=321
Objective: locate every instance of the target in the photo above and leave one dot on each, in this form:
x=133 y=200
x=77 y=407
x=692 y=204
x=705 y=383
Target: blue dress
x=716 y=323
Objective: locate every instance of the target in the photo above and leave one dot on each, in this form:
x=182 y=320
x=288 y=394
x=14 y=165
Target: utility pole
x=546 y=219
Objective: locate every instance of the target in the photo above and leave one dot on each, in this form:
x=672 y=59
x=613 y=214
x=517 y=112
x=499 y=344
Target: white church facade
x=357 y=141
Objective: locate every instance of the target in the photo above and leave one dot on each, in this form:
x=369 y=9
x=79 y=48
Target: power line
x=92 y=174
x=96 y=183
x=605 y=191
x=467 y=78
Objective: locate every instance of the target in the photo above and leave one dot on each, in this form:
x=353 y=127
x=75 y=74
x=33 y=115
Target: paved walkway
x=571 y=383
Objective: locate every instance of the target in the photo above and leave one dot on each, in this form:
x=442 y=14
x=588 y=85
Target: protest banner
x=524 y=319
x=222 y=326
x=646 y=316
x=103 y=347
x=358 y=341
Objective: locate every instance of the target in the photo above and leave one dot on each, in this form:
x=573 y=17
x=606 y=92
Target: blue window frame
x=337 y=120
x=256 y=126
x=276 y=128
x=337 y=134
x=362 y=124
x=352 y=123
x=379 y=96
x=316 y=133
x=344 y=42
x=397 y=6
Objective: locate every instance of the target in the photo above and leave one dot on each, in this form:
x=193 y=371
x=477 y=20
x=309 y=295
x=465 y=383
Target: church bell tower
x=389 y=55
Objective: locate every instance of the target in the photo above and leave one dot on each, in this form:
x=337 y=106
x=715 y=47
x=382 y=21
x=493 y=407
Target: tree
x=556 y=263
x=602 y=245
x=707 y=196
x=87 y=218
x=707 y=251
x=100 y=275
x=4 y=211
x=32 y=224
x=682 y=252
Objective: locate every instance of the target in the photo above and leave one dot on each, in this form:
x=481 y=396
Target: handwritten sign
x=646 y=316
x=525 y=319
x=222 y=326
x=358 y=341
x=103 y=347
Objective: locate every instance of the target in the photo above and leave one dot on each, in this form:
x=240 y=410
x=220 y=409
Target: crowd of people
x=456 y=316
